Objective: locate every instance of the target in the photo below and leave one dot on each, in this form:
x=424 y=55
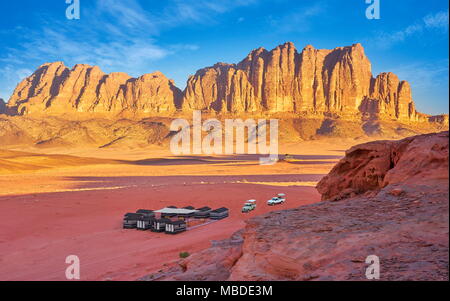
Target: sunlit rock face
x=283 y=80
x=54 y=88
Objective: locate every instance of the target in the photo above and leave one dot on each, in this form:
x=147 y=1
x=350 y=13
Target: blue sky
x=178 y=37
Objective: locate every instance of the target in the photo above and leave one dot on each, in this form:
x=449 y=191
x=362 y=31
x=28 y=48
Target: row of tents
x=171 y=220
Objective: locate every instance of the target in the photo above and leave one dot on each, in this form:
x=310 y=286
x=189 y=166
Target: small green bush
x=184 y=254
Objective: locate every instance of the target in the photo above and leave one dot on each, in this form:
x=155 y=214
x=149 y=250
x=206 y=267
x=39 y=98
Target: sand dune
x=22 y=162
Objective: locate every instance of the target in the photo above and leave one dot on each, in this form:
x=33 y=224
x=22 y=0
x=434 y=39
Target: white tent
x=175 y=211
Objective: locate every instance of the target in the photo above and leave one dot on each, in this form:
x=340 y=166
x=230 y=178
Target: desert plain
x=71 y=202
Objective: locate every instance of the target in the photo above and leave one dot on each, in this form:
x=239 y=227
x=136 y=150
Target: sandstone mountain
x=385 y=198
x=282 y=80
x=56 y=89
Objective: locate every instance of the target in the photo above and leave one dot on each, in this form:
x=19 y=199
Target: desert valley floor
x=72 y=203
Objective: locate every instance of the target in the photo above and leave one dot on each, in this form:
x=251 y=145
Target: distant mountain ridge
x=282 y=80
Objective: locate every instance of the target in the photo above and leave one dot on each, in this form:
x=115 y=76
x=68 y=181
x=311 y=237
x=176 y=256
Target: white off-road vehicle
x=250 y=205
x=280 y=199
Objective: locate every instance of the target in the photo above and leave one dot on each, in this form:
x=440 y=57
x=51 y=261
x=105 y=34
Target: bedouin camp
x=172 y=220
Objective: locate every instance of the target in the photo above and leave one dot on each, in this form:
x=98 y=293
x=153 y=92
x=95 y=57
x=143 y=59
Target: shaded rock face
x=283 y=80
x=374 y=165
x=402 y=217
x=54 y=88
x=217 y=262
x=2 y=106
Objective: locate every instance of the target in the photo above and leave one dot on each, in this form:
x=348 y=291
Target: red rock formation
x=337 y=81
x=217 y=262
x=441 y=119
x=235 y=94
x=391 y=98
x=283 y=80
x=54 y=88
x=374 y=165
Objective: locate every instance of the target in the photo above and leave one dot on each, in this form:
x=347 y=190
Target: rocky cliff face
x=385 y=198
x=391 y=98
x=337 y=81
x=283 y=80
x=54 y=88
x=375 y=165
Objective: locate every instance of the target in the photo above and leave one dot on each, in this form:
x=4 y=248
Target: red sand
x=37 y=236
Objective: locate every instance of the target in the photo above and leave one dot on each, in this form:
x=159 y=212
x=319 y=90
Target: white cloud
x=297 y=21
x=424 y=75
x=384 y=40
x=183 y=47
x=179 y=12
x=438 y=20
x=127 y=13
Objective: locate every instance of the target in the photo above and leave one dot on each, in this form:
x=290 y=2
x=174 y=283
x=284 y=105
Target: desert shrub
x=184 y=254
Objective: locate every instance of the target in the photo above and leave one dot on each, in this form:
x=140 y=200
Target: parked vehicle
x=250 y=205
x=280 y=199
x=275 y=201
x=288 y=158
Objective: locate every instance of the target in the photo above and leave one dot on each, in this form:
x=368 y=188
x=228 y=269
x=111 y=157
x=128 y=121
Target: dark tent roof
x=176 y=222
x=133 y=216
x=173 y=207
x=223 y=209
x=144 y=211
x=204 y=209
x=169 y=214
x=147 y=218
x=189 y=207
x=163 y=220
